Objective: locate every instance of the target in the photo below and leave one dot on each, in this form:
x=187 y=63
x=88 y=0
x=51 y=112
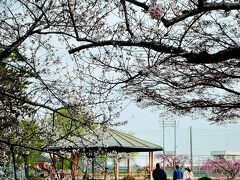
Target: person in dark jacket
x=177 y=173
x=158 y=173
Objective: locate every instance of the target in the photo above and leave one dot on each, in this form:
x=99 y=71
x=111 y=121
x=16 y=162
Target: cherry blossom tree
x=171 y=160
x=41 y=79
x=36 y=31
x=179 y=55
x=91 y=55
x=222 y=167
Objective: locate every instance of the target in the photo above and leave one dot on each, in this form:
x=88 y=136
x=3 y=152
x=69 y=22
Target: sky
x=145 y=124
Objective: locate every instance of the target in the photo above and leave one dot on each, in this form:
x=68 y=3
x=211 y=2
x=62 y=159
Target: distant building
x=226 y=155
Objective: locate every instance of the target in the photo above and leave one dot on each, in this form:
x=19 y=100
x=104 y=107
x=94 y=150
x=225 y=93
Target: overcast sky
x=145 y=124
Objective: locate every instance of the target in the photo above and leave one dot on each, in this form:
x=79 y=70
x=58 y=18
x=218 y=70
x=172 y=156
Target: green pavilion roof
x=111 y=140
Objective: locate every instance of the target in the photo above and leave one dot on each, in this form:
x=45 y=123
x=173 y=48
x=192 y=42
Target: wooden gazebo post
x=116 y=169
x=75 y=158
x=150 y=163
x=128 y=168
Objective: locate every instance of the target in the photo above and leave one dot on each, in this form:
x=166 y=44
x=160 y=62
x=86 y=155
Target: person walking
x=158 y=173
x=188 y=174
x=177 y=173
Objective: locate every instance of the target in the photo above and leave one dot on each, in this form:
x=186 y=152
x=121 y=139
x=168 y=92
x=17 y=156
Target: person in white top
x=188 y=174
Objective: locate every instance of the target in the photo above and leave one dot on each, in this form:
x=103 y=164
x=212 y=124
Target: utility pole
x=169 y=123
x=191 y=153
x=163 y=137
x=175 y=137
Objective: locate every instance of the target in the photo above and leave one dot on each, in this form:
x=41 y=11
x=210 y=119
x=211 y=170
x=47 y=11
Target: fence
x=138 y=168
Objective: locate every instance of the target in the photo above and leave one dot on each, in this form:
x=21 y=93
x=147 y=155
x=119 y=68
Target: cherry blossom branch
x=126 y=18
x=191 y=57
x=155 y=46
x=36 y=104
x=9 y=49
x=202 y=7
x=19 y=145
x=73 y=21
x=140 y=4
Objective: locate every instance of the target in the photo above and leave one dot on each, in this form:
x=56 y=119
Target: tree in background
x=222 y=168
x=171 y=160
x=14 y=78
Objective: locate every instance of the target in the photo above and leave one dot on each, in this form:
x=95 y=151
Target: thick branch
x=197 y=58
x=73 y=21
x=220 y=56
x=140 y=4
x=126 y=18
x=154 y=46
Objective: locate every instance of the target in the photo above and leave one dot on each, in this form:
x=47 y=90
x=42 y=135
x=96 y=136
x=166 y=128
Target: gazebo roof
x=111 y=140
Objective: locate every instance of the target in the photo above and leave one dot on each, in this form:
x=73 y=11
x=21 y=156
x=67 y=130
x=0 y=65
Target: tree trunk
x=14 y=162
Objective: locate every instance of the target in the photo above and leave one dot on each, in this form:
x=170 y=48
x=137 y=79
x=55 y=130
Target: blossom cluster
x=155 y=10
x=222 y=167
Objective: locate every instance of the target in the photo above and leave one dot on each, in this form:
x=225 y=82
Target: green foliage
x=36 y=178
x=66 y=124
x=28 y=135
x=15 y=79
x=14 y=75
x=72 y=122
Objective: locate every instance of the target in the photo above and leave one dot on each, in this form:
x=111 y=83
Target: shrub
x=36 y=178
x=204 y=178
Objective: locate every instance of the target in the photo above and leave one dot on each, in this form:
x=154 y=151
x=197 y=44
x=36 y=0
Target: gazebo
x=107 y=141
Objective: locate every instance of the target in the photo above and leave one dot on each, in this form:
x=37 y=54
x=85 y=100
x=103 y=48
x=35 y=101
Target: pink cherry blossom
x=156 y=12
x=136 y=39
x=222 y=168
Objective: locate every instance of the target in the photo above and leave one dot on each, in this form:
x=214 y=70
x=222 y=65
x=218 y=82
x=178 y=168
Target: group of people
x=178 y=174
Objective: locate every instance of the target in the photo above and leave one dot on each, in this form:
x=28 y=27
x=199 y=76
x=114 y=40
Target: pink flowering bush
x=172 y=160
x=222 y=168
